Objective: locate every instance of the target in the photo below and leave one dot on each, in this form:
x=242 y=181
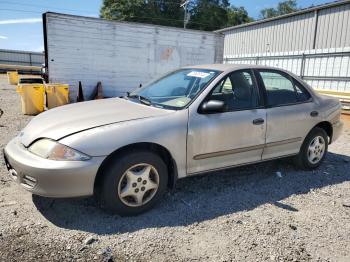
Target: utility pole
x=186 y=15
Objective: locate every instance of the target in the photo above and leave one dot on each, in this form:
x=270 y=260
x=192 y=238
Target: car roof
x=226 y=68
x=231 y=67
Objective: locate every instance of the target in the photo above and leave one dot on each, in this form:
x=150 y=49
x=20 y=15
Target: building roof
x=302 y=11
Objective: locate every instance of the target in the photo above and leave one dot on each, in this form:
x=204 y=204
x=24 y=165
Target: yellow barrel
x=32 y=98
x=57 y=95
x=12 y=77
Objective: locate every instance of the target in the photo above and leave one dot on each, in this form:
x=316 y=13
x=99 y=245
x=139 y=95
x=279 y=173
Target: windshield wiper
x=144 y=100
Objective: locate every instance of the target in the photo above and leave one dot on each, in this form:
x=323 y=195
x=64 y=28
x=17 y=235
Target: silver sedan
x=127 y=151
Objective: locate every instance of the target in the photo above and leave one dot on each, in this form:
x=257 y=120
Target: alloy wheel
x=138 y=185
x=316 y=149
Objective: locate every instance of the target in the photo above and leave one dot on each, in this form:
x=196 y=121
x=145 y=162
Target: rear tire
x=133 y=183
x=313 y=149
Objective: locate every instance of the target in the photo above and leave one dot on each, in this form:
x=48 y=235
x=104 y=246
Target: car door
x=289 y=113
x=232 y=137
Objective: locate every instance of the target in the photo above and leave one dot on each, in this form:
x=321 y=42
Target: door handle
x=314 y=113
x=258 y=121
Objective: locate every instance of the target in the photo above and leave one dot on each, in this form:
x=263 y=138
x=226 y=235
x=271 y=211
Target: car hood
x=66 y=120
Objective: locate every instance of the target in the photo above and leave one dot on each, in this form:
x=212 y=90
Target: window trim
x=260 y=99
x=219 y=72
x=201 y=91
x=303 y=89
x=285 y=74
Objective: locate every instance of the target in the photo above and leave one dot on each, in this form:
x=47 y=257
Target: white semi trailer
x=120 y=54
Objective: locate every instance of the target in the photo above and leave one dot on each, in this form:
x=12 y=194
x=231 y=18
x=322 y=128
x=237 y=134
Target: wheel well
x=326 y=126
x=156 y=148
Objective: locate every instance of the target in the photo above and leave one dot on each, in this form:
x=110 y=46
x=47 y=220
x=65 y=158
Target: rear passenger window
x=279 y=88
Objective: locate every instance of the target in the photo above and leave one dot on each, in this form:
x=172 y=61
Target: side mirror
x=212 y=106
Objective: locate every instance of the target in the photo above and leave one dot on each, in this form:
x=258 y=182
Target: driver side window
x=238 y=90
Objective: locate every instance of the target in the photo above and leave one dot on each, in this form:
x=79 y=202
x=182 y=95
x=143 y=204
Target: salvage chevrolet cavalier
x=127 y=151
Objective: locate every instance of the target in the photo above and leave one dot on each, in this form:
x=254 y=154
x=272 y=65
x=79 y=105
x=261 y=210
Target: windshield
x=177 y=89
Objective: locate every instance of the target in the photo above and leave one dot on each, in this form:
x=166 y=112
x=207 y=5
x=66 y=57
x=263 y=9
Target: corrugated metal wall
x=321 y=69
x=13 y=57
x=333 y=27
x=121 y=55
x=313 y=44
x=289 y=34
x=293 y=33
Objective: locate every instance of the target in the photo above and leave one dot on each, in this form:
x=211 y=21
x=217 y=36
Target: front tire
x=133 y=183
x=313 y=150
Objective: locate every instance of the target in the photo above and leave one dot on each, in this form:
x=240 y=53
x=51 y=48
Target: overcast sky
x=21 y=26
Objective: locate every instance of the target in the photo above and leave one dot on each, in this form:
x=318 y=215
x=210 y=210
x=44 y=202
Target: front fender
x=169 y=131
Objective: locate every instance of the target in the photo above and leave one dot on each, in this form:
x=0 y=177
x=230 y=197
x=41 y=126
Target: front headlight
x=53 y=150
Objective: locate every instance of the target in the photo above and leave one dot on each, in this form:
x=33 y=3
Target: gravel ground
x=244 y=214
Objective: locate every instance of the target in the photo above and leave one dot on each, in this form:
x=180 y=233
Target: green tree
x=285 y=7
x=120 y=10
x=268 y=13
x=209 y=14
x=204 y=14
x=237 y=16
x=160 y=12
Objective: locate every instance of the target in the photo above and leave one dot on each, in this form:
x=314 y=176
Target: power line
x=182 y=5
x=140 y=17
x=170 y=19
x=75 y=10
x=43 y=6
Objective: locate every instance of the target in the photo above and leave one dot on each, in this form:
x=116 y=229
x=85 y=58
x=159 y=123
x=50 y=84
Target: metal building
x=313 y=43
x=14 y=57
x=21 y=60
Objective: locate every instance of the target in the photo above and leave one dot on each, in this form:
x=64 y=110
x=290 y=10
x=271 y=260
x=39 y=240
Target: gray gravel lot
x=243 y=214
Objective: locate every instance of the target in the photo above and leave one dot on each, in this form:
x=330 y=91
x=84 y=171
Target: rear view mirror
x=212 y=106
